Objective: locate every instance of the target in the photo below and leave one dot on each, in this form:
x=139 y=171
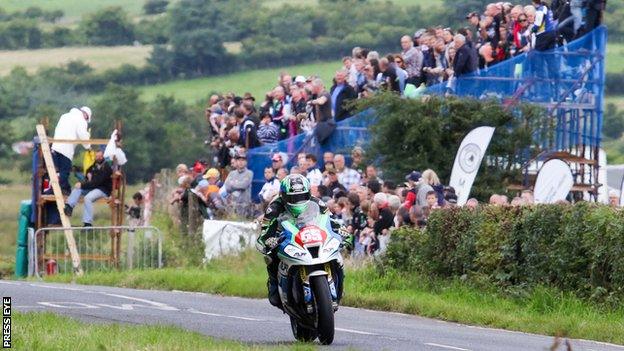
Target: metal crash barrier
x=100 y=249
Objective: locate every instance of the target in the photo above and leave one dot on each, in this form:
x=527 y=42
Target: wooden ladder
x=60 y=201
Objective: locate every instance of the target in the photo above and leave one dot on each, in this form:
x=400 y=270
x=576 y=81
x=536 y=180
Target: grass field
x=100 y=58
x=615 y=55
x=47 y=331
x=74 y=9
x=257 y=82
x=542 y=311
x=422 y=3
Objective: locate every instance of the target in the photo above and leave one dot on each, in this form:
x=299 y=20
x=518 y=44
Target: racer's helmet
x=295 y=193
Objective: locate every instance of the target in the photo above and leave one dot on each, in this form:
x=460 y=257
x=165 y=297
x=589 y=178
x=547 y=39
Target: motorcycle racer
x=294 y=197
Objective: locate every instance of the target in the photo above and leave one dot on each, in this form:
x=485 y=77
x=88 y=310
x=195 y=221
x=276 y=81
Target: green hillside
x=257 y=82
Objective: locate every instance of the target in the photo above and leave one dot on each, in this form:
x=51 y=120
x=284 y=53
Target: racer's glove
x=347 y=238
x=271 y=243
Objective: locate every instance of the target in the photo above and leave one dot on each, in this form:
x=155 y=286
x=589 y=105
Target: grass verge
x=48 y=331
x=542 y=311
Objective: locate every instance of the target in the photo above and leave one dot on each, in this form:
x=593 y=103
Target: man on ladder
x=73 y=125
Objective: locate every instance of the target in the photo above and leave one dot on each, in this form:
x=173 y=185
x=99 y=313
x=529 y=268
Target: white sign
x=622 y=193
x=225 y=237
x=554 y=182
x=468 y=160
x=603 y=191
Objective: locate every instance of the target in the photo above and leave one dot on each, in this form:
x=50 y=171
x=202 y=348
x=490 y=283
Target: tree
x=613 y=122
x=155 y=136
x=109 y=27
x=154 y=7
x=426 y=134
x=458 y=9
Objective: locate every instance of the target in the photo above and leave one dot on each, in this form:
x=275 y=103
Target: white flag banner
x=622 y=192
x=603 y=191
x=468 y=160
x=554 y=182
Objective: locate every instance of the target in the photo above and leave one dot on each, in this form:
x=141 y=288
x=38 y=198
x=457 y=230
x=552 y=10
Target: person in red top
x=410 y=198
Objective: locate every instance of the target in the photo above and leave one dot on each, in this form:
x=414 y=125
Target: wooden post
x=60 y=202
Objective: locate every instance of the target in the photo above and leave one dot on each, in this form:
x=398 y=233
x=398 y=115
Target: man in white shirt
x=314 y=175
x=73 y=125
x=270 y=188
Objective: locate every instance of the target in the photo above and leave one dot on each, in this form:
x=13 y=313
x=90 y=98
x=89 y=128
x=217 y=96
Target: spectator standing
x=270 y=188
x=413 y=60
x=321 y=102
x=314 y=175
x=268 y=132
x=328 y=157
x=384 y=221
x=278 y=160
x=543 y=27
x=333 y=183
x=388 y=77
x=135 y=211
x=463 y=57
x=341 y=94
x=237 y=186
x=248 y=130
x=346 y=176
x=72 y=125
x=357 y=160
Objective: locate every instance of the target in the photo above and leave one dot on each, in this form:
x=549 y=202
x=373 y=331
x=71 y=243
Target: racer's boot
x=272 y=283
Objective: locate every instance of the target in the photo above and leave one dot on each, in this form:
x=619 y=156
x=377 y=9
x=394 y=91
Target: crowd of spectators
x=299 y=104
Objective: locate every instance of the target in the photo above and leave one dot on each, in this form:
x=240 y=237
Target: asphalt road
x=255 y=321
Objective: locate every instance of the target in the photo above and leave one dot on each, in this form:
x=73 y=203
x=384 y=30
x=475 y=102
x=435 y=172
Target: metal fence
x=100 y=248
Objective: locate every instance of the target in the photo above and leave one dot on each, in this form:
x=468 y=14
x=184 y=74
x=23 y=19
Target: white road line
x=10 y=283
x=446 y=346
x=55 y=287
x=355 y=331
x=153 y=303
x=68 y=304
x=26 y=306
x=192 y=310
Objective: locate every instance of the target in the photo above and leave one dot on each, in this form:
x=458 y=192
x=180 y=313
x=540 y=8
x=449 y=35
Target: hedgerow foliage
x=576 y=248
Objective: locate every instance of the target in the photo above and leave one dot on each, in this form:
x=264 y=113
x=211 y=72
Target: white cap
x=300 y=79
x=86 y=110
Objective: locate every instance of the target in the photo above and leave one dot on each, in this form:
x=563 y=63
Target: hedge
x=575 y=248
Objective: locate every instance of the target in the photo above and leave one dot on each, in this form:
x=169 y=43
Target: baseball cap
x=472 y=14
x=276 y=157
x=451 y=198
x=419 y=33
x=86 y=110
x=211 y=173
x=240 y=154
x=413 y=176
x=300 y=79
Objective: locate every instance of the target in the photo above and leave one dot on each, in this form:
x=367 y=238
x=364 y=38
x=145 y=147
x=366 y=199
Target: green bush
x=427 y=134
x=575 y=248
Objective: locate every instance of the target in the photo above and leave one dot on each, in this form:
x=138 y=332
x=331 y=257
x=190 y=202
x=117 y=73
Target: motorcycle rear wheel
x=301 y=333
x=324 y=309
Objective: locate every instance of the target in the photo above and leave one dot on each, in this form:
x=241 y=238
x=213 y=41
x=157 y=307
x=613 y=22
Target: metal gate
x=108 y=248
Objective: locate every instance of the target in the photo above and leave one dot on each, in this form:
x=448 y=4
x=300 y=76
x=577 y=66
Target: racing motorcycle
x=310 y=274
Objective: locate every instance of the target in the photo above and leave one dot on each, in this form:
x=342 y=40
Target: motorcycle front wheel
x=324 y=309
